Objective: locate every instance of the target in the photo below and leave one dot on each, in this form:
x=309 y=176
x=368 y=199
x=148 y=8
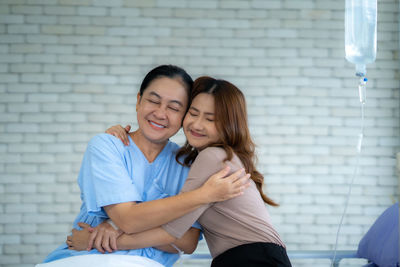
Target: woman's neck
x=149 y=149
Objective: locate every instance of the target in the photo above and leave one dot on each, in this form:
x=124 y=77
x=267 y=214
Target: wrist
x=121 y=243
x=202 y=195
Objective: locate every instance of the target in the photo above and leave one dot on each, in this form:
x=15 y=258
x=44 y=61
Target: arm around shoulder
x=208 y=162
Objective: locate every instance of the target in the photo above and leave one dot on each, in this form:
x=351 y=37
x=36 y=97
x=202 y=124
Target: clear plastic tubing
x=360 y=33
x=360 y=46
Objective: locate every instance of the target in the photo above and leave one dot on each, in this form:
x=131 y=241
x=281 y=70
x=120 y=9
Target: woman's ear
x=138 y=98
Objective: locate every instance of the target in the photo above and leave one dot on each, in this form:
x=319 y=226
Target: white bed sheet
x=100 y=260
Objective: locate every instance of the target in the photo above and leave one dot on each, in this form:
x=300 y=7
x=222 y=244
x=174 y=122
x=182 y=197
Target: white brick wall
x=70 y=69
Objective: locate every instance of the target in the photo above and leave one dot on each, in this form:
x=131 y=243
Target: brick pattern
x=70 y=69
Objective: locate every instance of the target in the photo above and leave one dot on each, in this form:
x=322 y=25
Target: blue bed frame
x=299 y=254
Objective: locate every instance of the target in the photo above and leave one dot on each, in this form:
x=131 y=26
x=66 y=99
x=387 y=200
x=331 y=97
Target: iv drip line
x=180 y=253
x=362 y=95
x=360 y=48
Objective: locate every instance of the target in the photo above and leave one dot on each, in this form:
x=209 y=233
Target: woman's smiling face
x=199 y=123
x=161 y=108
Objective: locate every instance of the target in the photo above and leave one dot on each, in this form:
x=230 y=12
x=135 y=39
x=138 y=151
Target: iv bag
x=360 y=33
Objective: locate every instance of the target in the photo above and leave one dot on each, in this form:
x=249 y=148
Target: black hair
x=170 y=71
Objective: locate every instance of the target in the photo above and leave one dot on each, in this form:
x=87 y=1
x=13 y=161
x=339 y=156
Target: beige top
x=241 y=220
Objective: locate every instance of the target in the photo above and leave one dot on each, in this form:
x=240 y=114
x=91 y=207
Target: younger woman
x=238 y=231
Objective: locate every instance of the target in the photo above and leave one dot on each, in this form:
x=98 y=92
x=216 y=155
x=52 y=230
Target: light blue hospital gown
x=113 y=173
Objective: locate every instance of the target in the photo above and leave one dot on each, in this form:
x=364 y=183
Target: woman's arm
x=207 y=162
x=131 y=217
x=134 y=218
x=175 y=229
x=150 y=238
x=157 y=237
x=187 y=244
x=160 y=239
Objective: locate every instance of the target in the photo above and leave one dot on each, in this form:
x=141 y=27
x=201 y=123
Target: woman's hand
x=102 y=237
x=80 y=238
x=120 y=133
x=220 y=187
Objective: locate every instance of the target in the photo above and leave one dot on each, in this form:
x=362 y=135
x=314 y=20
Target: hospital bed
x=298 y=254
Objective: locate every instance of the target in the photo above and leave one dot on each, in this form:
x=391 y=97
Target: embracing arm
x=187 y=244
x=179 y=229
x=131 y=217
x=105 y=237
x=174 y=230
x=160 y=239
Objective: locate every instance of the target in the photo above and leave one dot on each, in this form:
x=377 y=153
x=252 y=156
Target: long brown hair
x=231 y=123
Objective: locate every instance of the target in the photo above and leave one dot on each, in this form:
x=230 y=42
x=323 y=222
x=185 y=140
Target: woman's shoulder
x=212 y=153
x=216 y=155
x=104 y=141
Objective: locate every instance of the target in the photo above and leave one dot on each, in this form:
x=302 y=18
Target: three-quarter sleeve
x=103 y=176
x=207 y=163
